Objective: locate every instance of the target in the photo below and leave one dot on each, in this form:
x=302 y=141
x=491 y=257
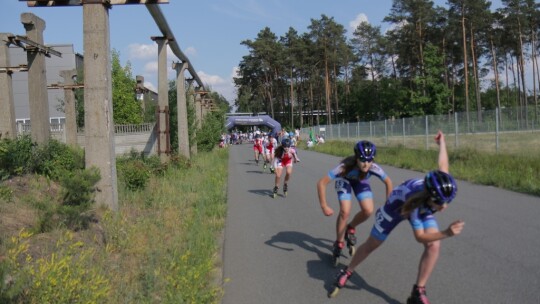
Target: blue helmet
x=286 y=142
x=365 y=150
x=441 y=186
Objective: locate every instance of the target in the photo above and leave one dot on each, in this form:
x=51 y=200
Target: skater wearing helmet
x=269 y=144
x=284 y=157
x=352 y=175
x=258 y=147
x=415 y=200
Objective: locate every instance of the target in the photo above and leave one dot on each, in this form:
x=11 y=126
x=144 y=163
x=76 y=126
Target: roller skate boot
x=418 y=296
x=272 y=170
x=264 y=166
x=336 y=252
x=285 y=188
x=275 y=192
x=341 y=279
x=350 y=238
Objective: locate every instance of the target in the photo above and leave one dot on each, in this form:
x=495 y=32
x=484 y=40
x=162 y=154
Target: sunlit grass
x=162 y=244
x=513 y=171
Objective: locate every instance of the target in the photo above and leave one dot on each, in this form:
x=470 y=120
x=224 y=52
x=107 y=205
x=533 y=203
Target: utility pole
x=99 y=123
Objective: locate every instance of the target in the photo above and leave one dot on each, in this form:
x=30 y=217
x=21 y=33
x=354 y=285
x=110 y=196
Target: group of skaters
x=415 y=200
x=277 y=157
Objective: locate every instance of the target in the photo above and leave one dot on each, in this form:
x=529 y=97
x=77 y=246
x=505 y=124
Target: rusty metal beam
x=10 y=70
x=65 y=87
x=22 y=40
x=36 y=3
x=161 y=22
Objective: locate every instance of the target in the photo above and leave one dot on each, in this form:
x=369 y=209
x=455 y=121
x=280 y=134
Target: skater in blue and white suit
x=352 y=176
x=415 y=200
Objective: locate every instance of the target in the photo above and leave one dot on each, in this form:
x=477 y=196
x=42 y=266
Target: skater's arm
x=443 y=154
x=321 y=191
x=425 y=237
x=389 y=186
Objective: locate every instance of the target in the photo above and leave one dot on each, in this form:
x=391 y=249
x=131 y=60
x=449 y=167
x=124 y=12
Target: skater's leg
x=363 y=251
x=341 y=222
x=288 y=173
x=367 y=209
x=428 y=260
x=279 y=171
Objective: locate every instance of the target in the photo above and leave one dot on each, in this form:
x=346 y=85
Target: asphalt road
x=278 y=250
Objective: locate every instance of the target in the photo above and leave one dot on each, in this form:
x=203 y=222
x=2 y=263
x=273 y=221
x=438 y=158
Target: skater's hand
x=327 y=211
x=455 y=228
x=439 y=138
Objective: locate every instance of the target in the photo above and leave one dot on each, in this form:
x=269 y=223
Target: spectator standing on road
x=415 y=200
x=352 y=175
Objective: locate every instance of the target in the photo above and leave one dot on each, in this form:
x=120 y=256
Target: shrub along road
x=278 y=250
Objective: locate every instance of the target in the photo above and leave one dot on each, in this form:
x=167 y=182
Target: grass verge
x=162 y=246
x=519 y=173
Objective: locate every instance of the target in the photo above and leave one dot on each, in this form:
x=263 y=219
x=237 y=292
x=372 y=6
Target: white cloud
x=142 y=51
x=150 y=67
x=137 y=51
x=359 y=19
x=190 y=51
x=234 y=72
x=211 y=80
x=150 y=86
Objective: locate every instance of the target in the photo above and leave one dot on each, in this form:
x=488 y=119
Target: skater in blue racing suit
x=352 y=175
x=415 y=200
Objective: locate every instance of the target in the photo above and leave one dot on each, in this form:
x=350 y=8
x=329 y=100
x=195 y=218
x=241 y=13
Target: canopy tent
x=262 y=120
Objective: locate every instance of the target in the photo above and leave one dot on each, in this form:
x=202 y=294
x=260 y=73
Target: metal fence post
x=456 y=130
x=386 y=132
x=497 y=129
x=427 y=132
x=403 y=119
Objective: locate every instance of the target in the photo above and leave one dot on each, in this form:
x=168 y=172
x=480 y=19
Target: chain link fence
x=508 y=131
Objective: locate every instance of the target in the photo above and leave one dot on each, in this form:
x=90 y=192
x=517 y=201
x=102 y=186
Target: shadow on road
x=321 y=268
x=262 y=192
x=253 y=171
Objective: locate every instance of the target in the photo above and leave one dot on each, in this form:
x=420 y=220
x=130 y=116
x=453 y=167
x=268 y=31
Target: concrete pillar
x=163 y=100
x=197 y=123
x=98 y=109
x=37 y=80
x=181 y=107
x=199 y=109
x=7 y=106
x=70 y=128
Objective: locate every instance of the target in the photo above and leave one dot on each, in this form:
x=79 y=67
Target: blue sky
x=209 y=32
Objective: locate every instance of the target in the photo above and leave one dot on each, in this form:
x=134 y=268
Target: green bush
x=210 y=132
x=54 y=158
x=79 y=186
x=16 y=156
x=133 y=173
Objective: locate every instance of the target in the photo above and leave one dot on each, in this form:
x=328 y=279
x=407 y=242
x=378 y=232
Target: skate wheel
x=334 y=292
x=352 y=250
x=335 y=261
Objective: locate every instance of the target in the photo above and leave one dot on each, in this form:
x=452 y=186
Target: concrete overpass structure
x=99 y=124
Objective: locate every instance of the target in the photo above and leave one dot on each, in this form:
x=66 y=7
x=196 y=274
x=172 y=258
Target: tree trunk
x=292 y=99
x=476 y=80
x=495 y=72
x=465 y=65
x=522 y=66
x=327 y=91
